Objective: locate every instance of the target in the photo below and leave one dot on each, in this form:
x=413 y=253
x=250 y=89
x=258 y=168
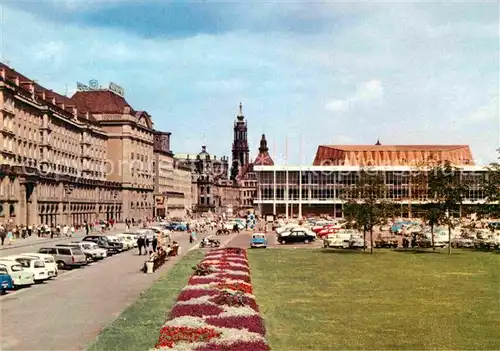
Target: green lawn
x=138 y=327
x=314 y=299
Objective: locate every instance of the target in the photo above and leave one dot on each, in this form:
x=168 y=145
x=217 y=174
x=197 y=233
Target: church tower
x=240 y=145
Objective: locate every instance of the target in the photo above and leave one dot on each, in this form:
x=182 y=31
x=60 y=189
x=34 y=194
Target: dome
x=203 y=152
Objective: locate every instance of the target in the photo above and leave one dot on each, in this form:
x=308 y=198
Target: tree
x=446 y=192
x=491 y=188
x=365 y=203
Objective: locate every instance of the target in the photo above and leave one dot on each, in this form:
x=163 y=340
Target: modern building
x=70 y=159
x=299 y=191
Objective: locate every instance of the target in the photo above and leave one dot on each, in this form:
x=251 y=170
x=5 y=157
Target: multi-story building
x=320 y=189
x=173 y=197
x=208 y=173
x=67 y=160
x=129 y=149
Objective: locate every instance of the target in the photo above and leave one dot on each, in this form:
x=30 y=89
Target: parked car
x=356 y=241
x=335 y=240
x=130 y=239
x=19 y=276
x=104 y=243
x=91 y=250
x=66 y=257
x=296 y=236
x=49 y=261
x=258 y=240
x=31 y=264
x=117 y=240
x=462 y=242
x=5 y=280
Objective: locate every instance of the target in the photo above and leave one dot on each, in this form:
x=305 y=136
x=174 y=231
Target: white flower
x=202 y=300
x=243 y=311
x=187 y=321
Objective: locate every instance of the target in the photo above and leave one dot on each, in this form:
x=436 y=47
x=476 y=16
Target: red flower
x=195 y=280
x=253 y=324
x=200 y=310
x=236 y=346
x=235 y=286
x=230 y=276
x=169 y=335
x=189 y=294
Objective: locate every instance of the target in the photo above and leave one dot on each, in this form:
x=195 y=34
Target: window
x=64 y=252
x=39 y=264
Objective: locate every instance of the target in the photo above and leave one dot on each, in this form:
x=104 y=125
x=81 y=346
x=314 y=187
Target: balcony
x=7 y=131
x=8 y=109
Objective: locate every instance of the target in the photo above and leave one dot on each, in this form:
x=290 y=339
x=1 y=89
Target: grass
x=138 y=326
x=323 y=300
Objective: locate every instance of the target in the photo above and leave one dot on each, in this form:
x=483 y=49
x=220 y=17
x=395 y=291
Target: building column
x=21 y=205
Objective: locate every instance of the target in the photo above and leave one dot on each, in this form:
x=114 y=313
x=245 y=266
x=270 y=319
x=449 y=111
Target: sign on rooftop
x=94 y=85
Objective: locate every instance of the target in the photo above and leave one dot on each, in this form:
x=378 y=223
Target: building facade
x=83 y=158
x=207 y=174
x=302 y=191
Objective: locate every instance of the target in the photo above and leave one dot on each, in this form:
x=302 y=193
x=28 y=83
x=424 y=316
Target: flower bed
x=216 y=310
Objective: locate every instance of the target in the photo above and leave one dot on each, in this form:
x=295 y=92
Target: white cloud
x=337 y=106
x=366 y=91
x=488 y=112
x=401 y=72
x=49 y=51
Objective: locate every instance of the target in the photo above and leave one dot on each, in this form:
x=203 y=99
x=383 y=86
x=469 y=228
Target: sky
x=307 y=73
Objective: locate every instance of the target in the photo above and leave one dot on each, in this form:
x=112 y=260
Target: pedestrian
x=155 y=243
x=140 y=245
x=146 y=242
x=87 y=228
x=3 y=234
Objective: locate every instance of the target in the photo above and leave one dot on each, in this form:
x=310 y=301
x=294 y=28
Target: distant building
x=173 y=198
x=301 y=191
x=391 y=155
x=207 y=173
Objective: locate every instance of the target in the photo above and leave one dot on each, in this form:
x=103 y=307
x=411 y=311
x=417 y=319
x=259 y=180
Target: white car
x=128 y=239
x=20 y=277
x=116 y=239
x=31 y=264
x=286 y=228
x=93 y=249
x=49 y=261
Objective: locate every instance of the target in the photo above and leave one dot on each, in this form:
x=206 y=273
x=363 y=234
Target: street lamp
x=68 y=189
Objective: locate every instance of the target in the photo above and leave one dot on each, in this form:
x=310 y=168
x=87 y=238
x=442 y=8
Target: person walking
x=146 y=242
x=87 y=227
x=154 y=243
x=140 y=245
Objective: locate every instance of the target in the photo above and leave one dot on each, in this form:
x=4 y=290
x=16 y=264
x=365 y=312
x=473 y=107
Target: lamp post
x=68 y=189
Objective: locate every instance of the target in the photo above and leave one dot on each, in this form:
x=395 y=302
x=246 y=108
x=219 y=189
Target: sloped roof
x=392 y=155
x=62 y=103
x=101 y=102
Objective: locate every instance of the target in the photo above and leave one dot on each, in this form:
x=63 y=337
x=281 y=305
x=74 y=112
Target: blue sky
x=323 y=73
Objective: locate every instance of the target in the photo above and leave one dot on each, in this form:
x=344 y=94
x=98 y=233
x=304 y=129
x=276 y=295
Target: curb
x=5 y=248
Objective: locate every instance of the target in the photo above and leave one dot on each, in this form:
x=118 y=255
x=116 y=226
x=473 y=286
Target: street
x=70 y=311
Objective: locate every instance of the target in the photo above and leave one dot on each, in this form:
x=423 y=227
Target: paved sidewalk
x=35 y=240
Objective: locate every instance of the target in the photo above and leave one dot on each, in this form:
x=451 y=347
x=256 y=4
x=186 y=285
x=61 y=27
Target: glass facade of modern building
x=312 y=190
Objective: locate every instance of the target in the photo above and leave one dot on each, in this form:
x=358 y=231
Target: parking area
x=68 y=312
x=243 y=241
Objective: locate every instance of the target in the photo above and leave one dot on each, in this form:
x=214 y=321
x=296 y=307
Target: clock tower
x=240 y=150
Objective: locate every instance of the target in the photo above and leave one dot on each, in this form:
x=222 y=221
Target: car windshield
x=25 y=262
x=259 y=237
x=39 y=264
x=3 y=270
x=16 y=268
